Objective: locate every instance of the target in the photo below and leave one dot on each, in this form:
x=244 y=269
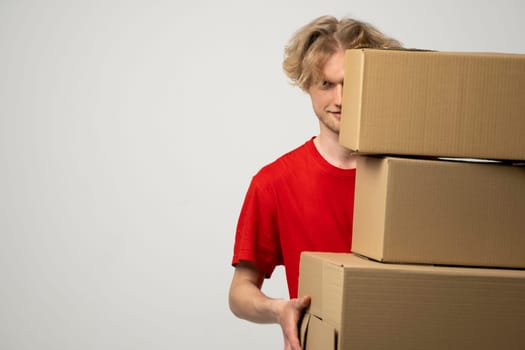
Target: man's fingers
x=302 y=302
x=293 y=345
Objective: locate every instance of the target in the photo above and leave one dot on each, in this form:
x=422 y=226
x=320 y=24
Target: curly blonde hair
x=312 y=45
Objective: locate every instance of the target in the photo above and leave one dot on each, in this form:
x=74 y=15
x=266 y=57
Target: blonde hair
x=312 y=45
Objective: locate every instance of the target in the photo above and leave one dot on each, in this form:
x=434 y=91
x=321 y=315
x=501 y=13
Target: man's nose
x=338 y=94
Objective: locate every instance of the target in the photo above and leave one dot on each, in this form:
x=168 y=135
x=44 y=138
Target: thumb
x=303 y=301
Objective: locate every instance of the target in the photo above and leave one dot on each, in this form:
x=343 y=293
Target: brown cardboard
x=318 y=334
x=371 y=305
x=439 y=212
x=444 y=104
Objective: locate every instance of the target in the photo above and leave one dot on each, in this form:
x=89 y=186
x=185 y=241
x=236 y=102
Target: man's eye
x=325 y=84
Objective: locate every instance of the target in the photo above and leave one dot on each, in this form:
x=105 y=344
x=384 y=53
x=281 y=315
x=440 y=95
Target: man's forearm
x=248 y=302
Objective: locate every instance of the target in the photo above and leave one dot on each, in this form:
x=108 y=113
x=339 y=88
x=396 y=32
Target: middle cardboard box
x=440 y=212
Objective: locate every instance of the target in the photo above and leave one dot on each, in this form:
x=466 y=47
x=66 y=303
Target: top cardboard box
x=443 y=104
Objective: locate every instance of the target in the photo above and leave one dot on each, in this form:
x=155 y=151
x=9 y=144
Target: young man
x=304 y=200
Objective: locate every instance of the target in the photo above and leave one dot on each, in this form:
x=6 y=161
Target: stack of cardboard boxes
x=438 y=244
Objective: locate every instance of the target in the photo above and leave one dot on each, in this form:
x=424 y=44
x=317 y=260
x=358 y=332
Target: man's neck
x=335 y=154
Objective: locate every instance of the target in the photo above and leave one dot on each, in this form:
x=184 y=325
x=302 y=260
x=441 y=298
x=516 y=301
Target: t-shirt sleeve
x=257 y=234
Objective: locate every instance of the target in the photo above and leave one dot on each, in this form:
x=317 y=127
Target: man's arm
x=248 y=302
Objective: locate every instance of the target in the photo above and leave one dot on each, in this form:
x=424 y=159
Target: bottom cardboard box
x=362 y=304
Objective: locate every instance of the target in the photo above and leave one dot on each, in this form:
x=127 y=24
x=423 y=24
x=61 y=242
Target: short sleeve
x=257 y=233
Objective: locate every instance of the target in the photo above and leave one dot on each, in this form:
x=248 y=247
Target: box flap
x=316 y=334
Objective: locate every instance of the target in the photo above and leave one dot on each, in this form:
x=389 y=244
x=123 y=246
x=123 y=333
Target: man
x=304 y=200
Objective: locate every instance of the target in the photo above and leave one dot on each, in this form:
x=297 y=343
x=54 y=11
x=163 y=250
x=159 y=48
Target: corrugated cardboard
x=439 y=212
x=362 y=304
x=466 y=105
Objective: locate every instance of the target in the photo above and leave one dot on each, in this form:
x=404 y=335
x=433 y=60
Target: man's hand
x=289 y=317
x=248 y=302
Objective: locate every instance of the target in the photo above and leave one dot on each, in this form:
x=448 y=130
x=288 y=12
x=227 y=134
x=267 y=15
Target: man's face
x=327 y=95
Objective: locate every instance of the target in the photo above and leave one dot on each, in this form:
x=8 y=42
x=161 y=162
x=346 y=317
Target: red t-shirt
x=298 y=203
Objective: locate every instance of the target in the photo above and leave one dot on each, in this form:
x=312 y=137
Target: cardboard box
x=362 y=304
x=466 y=105
x=439 y=212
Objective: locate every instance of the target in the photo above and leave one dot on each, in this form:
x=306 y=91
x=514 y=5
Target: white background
x=129 y=131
